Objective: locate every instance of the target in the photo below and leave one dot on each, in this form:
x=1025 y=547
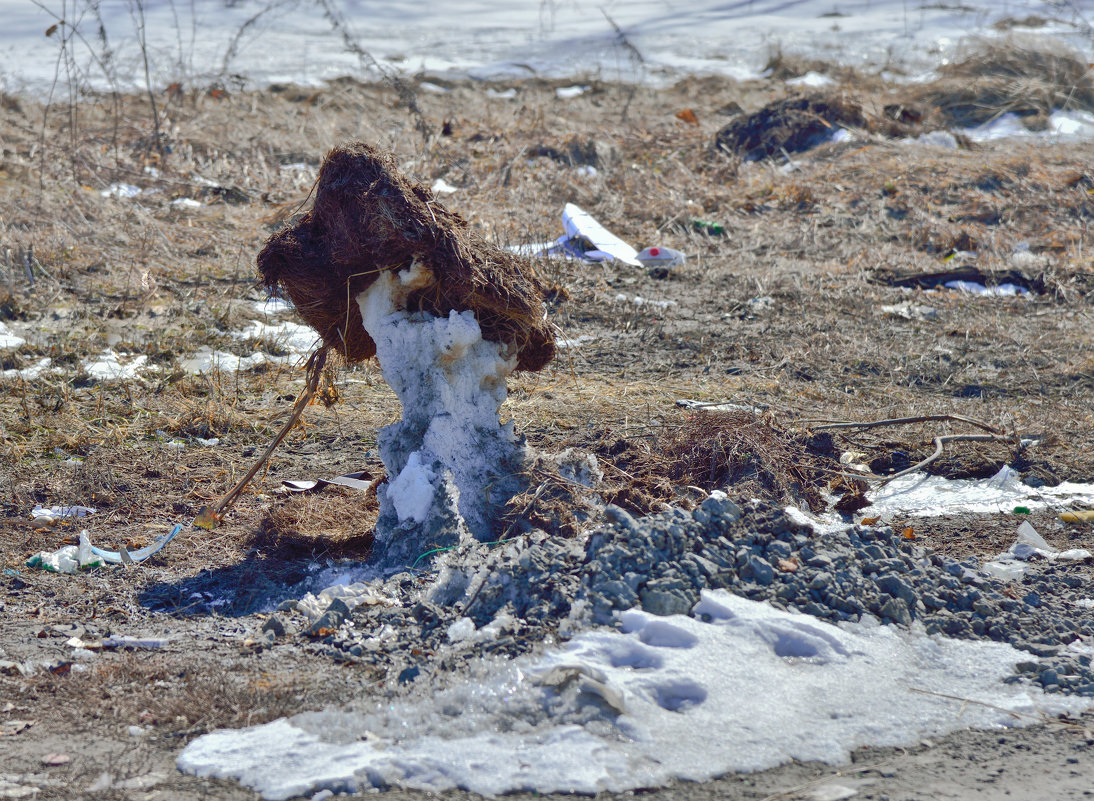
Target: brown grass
x=1029 y=77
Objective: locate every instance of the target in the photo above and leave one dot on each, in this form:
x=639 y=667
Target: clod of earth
x=449 y=317
x=368 y=219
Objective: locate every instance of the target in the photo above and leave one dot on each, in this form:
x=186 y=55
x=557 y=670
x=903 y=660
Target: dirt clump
x=367 y=218
x=793 y=125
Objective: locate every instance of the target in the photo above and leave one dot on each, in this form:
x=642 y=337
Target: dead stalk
x=208 y=517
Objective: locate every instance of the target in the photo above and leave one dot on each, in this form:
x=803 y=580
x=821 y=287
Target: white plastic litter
x=578 y=223
x=130 y=557
x=442 y=187
x=1006 y=290
x=353 y=594
x=668 y=698
x=68 y=559
x=1030 y=545
x=121 y=191
x=920 y=495
x=661 y=257
x=52 y=514
x=911 y=311
x=186 y=203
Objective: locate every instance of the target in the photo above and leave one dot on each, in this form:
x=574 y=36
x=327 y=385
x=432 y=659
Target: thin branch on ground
x=827 y=425
x=939 y=444
x=208 y=517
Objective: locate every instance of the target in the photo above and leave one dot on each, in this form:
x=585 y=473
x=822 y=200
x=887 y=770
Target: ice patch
x=614 y=711
x=412 y=490
x=452 y=460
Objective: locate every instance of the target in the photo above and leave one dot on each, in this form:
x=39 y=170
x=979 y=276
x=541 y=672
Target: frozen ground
x=309 y=41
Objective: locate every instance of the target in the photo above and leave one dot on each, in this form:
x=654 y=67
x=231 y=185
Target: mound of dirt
x=793 y=125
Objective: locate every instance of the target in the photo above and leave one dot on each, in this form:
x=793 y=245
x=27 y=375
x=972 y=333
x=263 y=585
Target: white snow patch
x=294 y=337
x=442 y=187
x=9 y=340
x=568 y=92
x=271 y=306
x=290 y=43
x=741 y=687
x=207 y=360
x=921 y=495
x=576 y=342
x=110 y=366
x=28 y=373
x=412 y=490
x=1065 y=125
x=811 y=78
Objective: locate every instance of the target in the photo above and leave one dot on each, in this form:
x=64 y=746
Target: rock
x=898 y=588
x=762 y=571
x=275 y=626
x=896 y=610
x=331 y=619
x=667 y=597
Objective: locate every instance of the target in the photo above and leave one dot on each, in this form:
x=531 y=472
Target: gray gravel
x=540 y=589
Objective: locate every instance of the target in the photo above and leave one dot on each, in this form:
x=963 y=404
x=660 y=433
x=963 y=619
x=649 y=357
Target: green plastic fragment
x=708 y=227
x=1021 y=510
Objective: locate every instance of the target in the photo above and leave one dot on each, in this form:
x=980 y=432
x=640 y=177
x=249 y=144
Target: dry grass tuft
x=1024 y=76
x=367 y=218
x=742 y=450
x=204 y=697
x=334 y=522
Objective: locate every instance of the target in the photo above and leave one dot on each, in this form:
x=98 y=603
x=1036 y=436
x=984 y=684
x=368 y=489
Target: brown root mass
x=367 y=218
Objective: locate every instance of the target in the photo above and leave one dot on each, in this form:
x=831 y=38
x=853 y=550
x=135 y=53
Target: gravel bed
x=512 y=598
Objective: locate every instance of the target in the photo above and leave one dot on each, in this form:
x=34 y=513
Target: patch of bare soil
x=811 y=294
